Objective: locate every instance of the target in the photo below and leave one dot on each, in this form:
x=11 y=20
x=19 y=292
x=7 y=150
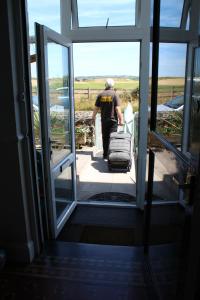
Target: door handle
x=186 y=184
x=180 y=184
x=62 y=167
x=50 y=148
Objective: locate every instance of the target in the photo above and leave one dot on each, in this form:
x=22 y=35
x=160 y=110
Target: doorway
x=93 y=63
x=58 y=129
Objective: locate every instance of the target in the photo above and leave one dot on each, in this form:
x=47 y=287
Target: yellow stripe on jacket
x=106 y=99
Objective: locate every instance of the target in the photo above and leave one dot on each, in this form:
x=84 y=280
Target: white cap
x=109 y=83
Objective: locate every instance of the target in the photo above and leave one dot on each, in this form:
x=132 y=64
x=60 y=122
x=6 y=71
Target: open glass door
x=171 y=176
x=55 y=83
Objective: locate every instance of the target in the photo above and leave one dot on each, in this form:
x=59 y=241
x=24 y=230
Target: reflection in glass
x=35 y=104
x=164 y=171
x=59 y=106
x=170 y=13
x=195 y=111
x=170 y=100
x=48 y=14
x=170 y=173
x=63 y=191
x=98 y=13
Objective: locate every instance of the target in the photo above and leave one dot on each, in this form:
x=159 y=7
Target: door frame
x=139 y=33
x=42 y=35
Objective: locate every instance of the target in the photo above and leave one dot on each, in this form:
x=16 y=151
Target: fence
x=169 y=91
x=88 y=93
x=85 y=98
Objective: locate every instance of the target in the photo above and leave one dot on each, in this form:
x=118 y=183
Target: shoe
x=105 y=157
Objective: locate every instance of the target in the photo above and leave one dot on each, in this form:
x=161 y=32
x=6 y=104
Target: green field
x=98 y=85
x=86 y=90
x=167 y=89
x=165 y=84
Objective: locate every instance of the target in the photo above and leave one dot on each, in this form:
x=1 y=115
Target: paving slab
x=94 y=177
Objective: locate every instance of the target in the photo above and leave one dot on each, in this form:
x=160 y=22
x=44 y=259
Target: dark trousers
x=107 y=128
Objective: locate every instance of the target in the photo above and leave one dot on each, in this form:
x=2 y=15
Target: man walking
x=109 y=105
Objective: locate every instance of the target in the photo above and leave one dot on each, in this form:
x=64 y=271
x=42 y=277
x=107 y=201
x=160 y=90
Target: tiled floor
x=94 y=177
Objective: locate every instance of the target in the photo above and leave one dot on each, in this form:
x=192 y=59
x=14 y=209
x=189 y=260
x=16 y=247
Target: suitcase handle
x=120 y=128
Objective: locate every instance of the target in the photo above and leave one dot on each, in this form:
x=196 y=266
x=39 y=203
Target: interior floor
x=99 y=254
x=84 y=271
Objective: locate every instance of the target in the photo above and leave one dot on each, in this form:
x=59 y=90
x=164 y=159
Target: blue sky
x=111 y=58
x=106 y=59
x=96 y=13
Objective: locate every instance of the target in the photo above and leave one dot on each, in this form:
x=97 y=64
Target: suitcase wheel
x=129 y=167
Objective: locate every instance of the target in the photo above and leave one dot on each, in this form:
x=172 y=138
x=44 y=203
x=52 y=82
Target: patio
x=93 y=178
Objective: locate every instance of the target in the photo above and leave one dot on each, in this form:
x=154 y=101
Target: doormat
x=113 y=197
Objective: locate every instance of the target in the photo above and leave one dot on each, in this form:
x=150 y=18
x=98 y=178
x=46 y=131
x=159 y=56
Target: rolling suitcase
x=119 y=152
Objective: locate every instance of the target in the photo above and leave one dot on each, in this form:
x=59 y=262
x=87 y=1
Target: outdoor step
x=122 y=226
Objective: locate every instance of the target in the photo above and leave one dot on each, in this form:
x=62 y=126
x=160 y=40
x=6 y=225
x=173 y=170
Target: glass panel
x=195 y=111
x=171 y=82
x=168 y=226
x=170 y=13
x=97 y=13
x=44 y=12
x=63 y=191
x=164 y=169
x=170 y=173
x=35 y=103
x=58 y=80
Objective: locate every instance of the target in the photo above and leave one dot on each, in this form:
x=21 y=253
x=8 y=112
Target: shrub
x=170 y=123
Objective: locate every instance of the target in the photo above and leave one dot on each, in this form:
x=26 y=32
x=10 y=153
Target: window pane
x=166 y=167
x=195 y=111
x=170 y=13
x=170 y=106
x=63 y=191
x=44 y=12
x=96 y=13
x=58 y=79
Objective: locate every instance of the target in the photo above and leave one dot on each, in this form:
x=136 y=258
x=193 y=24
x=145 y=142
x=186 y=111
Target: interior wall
x=15 y=228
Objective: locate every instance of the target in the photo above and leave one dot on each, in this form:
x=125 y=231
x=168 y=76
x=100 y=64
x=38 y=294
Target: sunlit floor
x=94 y=177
